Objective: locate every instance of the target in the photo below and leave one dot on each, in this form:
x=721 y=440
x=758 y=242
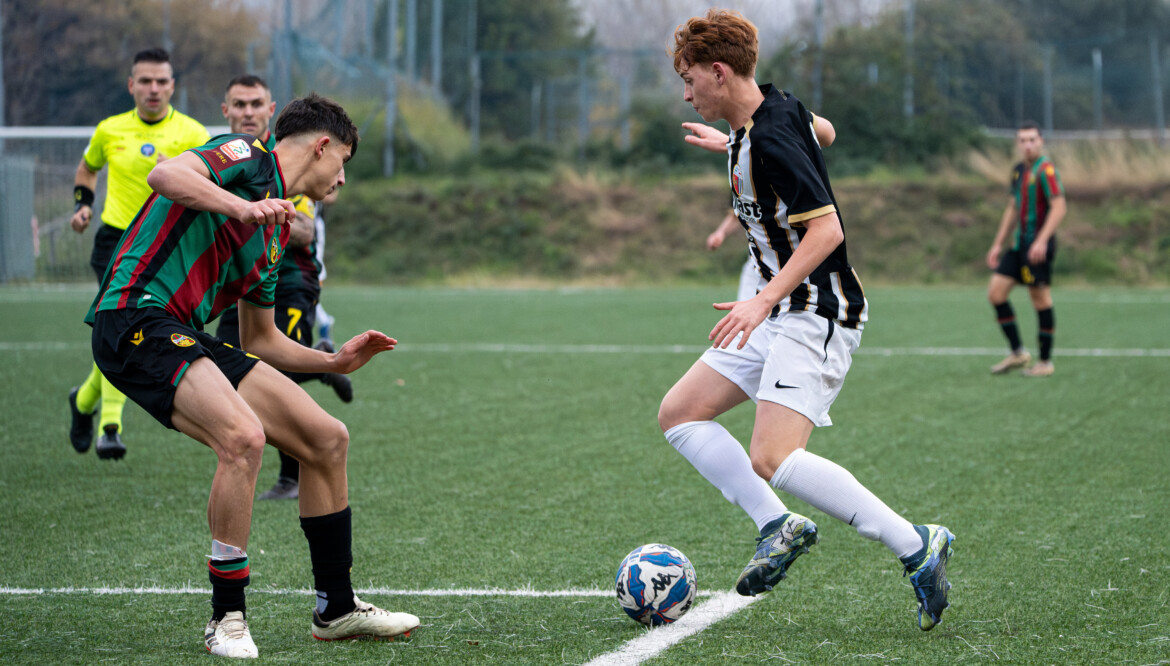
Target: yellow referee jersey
x=131 y=147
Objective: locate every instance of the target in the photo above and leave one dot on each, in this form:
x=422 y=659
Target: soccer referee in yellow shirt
x=131 y=143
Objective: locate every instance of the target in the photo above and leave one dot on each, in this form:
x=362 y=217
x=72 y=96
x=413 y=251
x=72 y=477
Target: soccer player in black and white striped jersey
x=789 y=347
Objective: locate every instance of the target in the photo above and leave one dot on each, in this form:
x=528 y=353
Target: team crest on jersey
x=273 y=250
x=737 y=180
x=236 y=149
x=147 y=149
x=181 y=340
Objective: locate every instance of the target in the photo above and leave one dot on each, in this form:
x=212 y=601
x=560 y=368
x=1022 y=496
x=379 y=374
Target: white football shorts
x=796 y=359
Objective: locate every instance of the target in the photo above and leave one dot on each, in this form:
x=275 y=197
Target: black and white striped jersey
x=778 y=182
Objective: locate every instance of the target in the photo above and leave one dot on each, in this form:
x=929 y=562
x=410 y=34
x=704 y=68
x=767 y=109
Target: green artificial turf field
x=509 y=447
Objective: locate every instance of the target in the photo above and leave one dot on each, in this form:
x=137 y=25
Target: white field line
x=654 y=641
x=373 y=591
x=504 y=348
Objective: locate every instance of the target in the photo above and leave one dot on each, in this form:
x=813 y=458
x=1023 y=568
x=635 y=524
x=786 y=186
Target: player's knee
x=243 y=448
x=764 y=465
x=674 y=412
x=669 y=415
x=330 y=445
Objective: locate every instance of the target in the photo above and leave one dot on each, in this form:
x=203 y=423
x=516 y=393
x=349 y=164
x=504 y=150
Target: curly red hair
x=723 y=35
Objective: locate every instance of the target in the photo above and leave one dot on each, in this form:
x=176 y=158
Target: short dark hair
x=1030 y=125
x=248 y=81
x=155 y=54
x=315 y=113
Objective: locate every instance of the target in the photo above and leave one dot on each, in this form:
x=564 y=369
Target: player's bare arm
x=725 y=229
x=186 y=180
x=260 y=336
x=823 y=236
x=1005 y=223
x=826 y=133
x=84 y=178
x=1038 y=252
x=709 y=138
x=301 y=231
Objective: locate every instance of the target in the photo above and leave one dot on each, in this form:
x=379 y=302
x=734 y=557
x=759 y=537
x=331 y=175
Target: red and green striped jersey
x=193 y=263
x=1034 y=188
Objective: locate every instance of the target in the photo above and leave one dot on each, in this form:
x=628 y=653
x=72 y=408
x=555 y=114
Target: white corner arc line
x=654 y=641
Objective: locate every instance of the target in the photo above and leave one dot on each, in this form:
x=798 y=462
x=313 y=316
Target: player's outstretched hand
x=715 y=239
x=269 y=211
x=360 y=349
x=705 y=136
x=742 y=316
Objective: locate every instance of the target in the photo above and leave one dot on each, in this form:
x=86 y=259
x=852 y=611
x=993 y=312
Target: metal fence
x=348 y=49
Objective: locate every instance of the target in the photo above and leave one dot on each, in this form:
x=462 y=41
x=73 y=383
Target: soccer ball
x=656 y=584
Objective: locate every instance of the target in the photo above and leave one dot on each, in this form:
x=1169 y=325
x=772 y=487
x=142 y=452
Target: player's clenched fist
x=269 y=211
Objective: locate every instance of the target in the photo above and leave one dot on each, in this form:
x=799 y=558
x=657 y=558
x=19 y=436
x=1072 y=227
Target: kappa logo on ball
x=181 y=340
x=236 y=149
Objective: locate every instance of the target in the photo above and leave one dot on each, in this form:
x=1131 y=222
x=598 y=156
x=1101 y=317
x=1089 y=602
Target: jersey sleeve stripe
x=818 y=212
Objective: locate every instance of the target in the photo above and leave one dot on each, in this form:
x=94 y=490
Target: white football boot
x=230 y=637
x=365 y=621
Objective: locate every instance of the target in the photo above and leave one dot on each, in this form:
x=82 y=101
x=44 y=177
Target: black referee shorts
x=105 y=242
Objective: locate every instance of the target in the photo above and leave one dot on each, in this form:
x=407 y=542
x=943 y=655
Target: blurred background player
x=749 y=277
x=131 y=143
x=1036 y=208
x=248 y=108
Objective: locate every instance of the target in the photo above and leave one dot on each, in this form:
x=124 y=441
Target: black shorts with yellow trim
x=1015 y=265
x=295 y=315
x=145 y=353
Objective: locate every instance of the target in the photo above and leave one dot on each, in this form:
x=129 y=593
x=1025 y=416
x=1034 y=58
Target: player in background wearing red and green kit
x=248 y=108
x=1035 y=210
x=213 y=235
x=131 y=143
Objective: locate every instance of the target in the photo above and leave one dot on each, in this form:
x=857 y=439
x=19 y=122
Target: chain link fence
x=454 y=95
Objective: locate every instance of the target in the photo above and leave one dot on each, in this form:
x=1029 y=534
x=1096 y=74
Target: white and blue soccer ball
x=656 y=584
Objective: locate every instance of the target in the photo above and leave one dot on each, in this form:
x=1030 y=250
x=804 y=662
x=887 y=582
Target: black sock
x=228 y=580
x=1047 y=328
x=290 y=467
x=329 y=549
x=1007 y=321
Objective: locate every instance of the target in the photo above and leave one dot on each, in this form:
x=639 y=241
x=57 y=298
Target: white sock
x=722 y=461
x=832 y=489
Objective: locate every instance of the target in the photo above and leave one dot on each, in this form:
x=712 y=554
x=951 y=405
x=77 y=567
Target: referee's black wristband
x=82 y=196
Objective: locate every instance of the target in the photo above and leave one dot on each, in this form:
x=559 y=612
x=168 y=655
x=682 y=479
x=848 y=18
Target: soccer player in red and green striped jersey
x=213 y=233
x=1035 y=210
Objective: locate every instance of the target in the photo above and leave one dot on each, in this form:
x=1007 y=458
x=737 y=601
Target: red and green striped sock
x=228 y=580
